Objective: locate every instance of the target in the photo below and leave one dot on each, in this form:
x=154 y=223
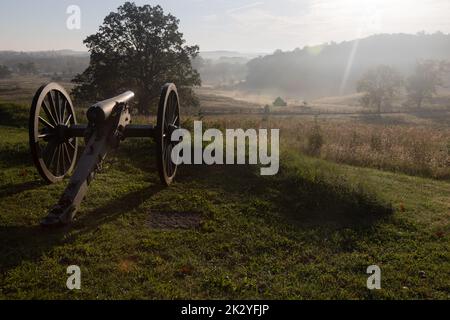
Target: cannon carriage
x=54 y=134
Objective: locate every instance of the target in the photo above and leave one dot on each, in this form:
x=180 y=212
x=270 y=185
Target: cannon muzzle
x=101 y=111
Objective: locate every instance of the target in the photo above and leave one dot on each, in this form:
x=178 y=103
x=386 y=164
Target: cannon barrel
x=100 y=111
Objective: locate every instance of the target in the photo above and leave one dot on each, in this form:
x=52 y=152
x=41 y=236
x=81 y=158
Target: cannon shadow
x=29 y=243
x=301 y=201
x=13 y=189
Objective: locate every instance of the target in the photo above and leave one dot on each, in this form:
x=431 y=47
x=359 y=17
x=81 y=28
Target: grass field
x=223 y=232
x=406 y=143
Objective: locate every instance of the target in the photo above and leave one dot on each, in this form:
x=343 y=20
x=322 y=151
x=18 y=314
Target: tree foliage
x=427 y=77
x=320 y=71
x=279 y=102
x=138 y=48
x=26 y=68
x=379 y=85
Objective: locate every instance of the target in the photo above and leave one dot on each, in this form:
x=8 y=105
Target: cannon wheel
x=54 y=154
x=168 y=121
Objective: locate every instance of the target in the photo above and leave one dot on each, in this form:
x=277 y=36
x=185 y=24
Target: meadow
x=408 y=144
x=351 y=192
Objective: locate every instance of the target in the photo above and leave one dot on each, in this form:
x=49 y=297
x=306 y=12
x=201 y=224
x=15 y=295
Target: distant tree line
x=5 y=72
x=222 y=72
x=383 y=83
x=328 y=70
x=28 y=68
x=65 y=63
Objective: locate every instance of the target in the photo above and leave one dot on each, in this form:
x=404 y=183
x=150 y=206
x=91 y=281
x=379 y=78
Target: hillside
x=320 y=71
x=48 y=62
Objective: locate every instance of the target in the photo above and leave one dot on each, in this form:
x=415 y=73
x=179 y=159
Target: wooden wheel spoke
x=71 y=144
x=51 y=99
x=46 y=123
x=63 y=158
x=55 y=99
x=57 y=104
x=45 y=135
x=46 y=155
x=49 y=113
x=172 y=109
x=58 y=158
x=67 y=122
x=67 y=153
x=168 y=114
x=52 y=108
x=60 y=100
x=52 y=159
x=174 y=123
x=64 y=104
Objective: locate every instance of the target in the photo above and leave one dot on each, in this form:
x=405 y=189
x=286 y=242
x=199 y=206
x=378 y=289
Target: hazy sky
x=241 y=25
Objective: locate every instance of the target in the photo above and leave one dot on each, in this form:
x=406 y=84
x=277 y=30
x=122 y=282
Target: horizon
x=244 y=52
x=238 y=25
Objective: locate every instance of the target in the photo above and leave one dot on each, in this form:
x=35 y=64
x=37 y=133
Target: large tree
x=423 y=83
x=138 y=48
x=379 y=85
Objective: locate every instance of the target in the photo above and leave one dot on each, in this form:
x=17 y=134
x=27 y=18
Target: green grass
x=14 y=115
x=308 y=233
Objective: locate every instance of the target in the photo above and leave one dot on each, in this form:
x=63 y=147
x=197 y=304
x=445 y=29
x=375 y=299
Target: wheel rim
x=53 y=152
x=168 y=121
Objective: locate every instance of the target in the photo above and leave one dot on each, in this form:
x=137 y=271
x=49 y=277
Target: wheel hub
x=60 y=133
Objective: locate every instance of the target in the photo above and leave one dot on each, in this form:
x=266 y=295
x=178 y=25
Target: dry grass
x=401 y=148
x=413 y=145
x=421 y=150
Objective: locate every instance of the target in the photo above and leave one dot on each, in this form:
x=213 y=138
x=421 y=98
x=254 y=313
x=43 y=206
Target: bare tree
x=380 y=85
x=427 y=77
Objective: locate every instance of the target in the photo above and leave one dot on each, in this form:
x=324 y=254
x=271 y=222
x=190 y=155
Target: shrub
x=315 y=141
x=279 y=102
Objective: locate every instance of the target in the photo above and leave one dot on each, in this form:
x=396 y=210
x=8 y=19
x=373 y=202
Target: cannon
x=54 y=134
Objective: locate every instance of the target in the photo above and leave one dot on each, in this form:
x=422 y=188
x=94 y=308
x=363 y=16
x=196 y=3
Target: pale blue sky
x=241 y=25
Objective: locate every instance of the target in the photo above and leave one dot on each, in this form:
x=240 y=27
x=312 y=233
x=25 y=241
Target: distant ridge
x=46 y=53
x=48 y=62
x=215 y=55
x=320 y=70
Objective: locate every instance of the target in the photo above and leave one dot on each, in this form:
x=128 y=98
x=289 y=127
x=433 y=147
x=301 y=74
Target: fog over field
x=330 y=69
x=348 y=101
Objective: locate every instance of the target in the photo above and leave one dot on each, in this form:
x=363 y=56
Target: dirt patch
x=174 y=220
x=127 y=265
